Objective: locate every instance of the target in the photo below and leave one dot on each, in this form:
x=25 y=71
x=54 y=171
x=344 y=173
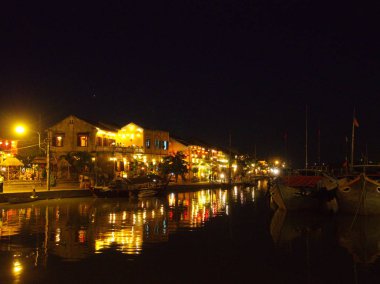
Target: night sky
x=200 y=69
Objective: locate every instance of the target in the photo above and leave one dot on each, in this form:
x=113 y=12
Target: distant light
x=20 y=129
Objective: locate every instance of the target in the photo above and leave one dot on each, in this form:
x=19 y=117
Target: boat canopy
x=301 y=181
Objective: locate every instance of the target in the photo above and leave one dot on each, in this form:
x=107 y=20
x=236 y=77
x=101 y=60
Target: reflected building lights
x=74 y=230
x=17 y=268
x=57 y=235
x=201 y=205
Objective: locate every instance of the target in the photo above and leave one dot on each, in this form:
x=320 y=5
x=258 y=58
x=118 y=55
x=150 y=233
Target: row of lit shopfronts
x=126 y=151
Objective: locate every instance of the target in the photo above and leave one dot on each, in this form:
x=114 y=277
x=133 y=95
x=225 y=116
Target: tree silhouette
x=174 y=165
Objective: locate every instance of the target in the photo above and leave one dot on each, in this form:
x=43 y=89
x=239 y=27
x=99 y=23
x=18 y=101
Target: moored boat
x=359 y=193
x=146 y=193
x=303 y=190
x=15 y=200
x=149 y=185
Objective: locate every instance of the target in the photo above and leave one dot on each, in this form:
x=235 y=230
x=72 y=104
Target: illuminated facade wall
x=76 y=135
x=8 y=146
x=176 y=146
x=156 y=142
x=204 y=162
x=133 y=148
x=130 y=148
x=131 y=135
x=146 y=146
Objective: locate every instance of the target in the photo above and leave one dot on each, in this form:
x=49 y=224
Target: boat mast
x=319 y=145
x=352 y=141
x=230 y=161
x=306 y=162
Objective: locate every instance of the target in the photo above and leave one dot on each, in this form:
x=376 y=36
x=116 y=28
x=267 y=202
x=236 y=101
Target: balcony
x=120 y=149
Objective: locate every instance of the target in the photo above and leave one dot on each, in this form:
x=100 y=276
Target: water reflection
x=75 y=229
x=360 y=235
x=193 y=209
x=127 y=225
x=287 y=227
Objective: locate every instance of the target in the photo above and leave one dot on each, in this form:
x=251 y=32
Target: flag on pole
x=356 y=123
x=345 y=164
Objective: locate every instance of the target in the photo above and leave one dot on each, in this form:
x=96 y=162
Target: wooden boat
x=146 y=193
x=22 y=199
x=360 y=193
x=303 y=190
x=149 y=185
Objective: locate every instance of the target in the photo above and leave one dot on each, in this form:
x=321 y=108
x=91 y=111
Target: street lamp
x=21 y=130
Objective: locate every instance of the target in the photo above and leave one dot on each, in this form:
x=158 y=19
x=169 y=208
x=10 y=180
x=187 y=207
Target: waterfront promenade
x=72 y=189
x=23 y=190
x=18 y=187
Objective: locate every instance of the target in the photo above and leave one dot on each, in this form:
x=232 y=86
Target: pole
x=48 y=162
x=352 y=142
x=286 y=147
x=346 y=158
x=39 y=140
x=306 y=162
x=230 y=162
x=319 y=145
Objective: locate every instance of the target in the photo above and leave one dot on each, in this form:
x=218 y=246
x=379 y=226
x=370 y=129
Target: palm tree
x=174 y=165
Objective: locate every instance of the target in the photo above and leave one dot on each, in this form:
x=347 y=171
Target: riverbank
x=73 y=190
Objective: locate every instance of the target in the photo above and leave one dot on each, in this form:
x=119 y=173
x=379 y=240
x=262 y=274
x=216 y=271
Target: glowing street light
x=21 y=130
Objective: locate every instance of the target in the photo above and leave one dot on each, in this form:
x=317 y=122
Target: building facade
x=205 y=163
x=129 y=150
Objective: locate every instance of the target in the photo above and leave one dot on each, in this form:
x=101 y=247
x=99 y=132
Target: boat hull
x=111 y=193
x=294 y=198
x=17 y=200
x=127 y=193
x=360 y=195
x=297 y=192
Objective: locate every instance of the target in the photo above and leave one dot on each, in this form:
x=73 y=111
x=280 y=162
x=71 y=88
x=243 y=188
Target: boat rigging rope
x=361 y=201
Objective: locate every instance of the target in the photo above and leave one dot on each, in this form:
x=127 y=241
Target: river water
x=203 y=236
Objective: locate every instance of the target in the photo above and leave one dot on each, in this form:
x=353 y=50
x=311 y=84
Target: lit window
x=165 y=145
x=57 y=140
x=147 y=143
x=82 y=140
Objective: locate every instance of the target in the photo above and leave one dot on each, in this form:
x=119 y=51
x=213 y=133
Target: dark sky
x=200 y=69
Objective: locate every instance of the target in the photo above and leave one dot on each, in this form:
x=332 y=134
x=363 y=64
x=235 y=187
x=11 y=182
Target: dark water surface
x=204 y=236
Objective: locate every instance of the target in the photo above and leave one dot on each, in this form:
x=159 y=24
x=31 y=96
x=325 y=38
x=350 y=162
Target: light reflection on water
x=74 y=229
x=239 y=231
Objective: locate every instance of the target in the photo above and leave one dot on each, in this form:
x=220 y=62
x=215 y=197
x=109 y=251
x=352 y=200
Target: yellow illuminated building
x=130 y=148
x=204 y=161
